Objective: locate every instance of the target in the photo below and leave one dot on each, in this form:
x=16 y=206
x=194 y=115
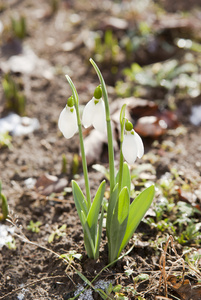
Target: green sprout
x=71 y=255
x=11 y=245
x=106 y=48
x=75 y=164
x=122 y=217
x=64 y=164
x=3 y=206
x=15 y=100
x=34 y=226
x=19 y=27
x=5 y=140
x=57 y=233
x=54 y=4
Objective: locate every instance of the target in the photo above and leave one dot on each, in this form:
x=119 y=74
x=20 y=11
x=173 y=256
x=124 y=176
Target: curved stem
x=109 y=128
x=84 y=162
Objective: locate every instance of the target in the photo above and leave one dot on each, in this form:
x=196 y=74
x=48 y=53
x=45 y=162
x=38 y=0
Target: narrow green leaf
x=118 y=224
x=93 y=215
x=4 y=206
x=126 y=177
x=138 y=209
x=80 y=201
x=98 y=237
x=94 y=211
x=123 y=205
x=88 y=241
x=111 y=206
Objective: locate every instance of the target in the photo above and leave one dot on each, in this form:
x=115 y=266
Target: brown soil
x=33 y=268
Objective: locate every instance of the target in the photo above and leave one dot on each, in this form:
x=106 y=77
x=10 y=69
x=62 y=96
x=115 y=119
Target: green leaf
x=92 y=218
x=126 y=177
x=138 y=209
x=93 y=214
x=118 y=224
x=99 y=231
x=111 y=206
x=80 y=201
x=4 y=205
x=123 y=205
x=88 y=240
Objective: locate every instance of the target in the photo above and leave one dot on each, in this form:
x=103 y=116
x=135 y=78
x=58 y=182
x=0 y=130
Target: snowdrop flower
x=132 y=146
x=94 y=112
x=68 y=119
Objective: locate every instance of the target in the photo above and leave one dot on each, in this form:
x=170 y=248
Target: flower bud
x=70 y=101
x=98 y=92
x=128 y=126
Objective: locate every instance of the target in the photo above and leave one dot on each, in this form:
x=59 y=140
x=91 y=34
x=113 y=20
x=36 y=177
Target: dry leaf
x=48 y=184
x=93 y=145
x=94 y=142
x=137 y=107
x=184 y=288
x=114 y=23
x=150 y=126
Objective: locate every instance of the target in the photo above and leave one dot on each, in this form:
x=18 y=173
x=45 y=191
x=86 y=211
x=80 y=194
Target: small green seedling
x=15 y=100
x=59 y=232
x=75 y=164
x=19 y=27
x=64 y=164
x=3 y=206
x=11 y=245
x=107 y=48
x=34 y=226
x=5 y=140
x=71 y=255
x=54 y=4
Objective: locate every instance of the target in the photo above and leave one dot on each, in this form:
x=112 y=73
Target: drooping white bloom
x=68 y=121
x=94 y=114
x=132 y=146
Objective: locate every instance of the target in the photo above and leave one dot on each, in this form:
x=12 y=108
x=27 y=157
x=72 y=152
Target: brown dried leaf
x=184 y=288
x=48 y=184
x=94 y=142
x=186 y=196
x=137 y=107
x=150 y=126
x=114 y=23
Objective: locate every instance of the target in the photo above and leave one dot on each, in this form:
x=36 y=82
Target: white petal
x=140 y=146
x=68 y=122
x=88 y=114
x=99 y=118
x=129 y=148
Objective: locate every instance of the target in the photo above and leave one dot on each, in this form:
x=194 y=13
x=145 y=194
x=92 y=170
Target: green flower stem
x=84 y=162
x=109 y=128
x=122 y=125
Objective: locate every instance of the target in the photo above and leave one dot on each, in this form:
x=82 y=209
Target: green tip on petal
x=70 y=101
x=128 y=126
x=98 y=92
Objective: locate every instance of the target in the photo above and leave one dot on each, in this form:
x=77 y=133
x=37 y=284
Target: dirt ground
x=60 y=44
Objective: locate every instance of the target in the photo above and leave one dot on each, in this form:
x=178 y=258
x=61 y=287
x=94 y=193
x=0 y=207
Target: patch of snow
x=17 y=125
x=6 y=233
x=87 y=294
x=195 y=117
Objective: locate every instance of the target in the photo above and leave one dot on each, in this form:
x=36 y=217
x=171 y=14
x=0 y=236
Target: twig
x=31 y=283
